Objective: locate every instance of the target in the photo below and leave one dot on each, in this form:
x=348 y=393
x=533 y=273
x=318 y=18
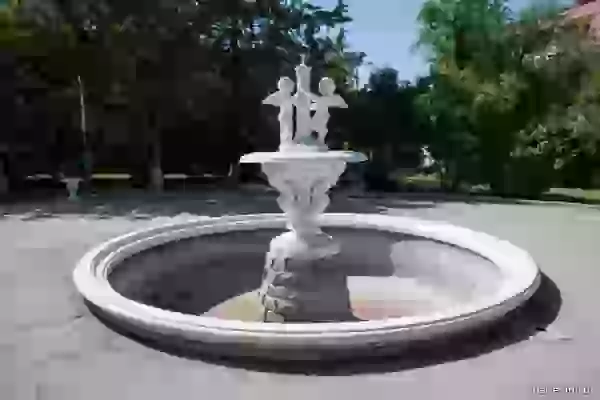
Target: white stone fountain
x=297 y=285
x=305 y=288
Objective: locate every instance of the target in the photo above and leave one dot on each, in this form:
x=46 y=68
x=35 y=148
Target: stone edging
x=297 y=341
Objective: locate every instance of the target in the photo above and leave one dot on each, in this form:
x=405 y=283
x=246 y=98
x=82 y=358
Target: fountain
x=311 y=290
x=298 y=285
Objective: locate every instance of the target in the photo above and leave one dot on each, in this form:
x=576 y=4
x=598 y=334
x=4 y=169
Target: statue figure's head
x=286 y=85
x=327 y=87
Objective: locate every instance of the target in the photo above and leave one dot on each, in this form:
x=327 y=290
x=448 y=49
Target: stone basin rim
x=298 y=156
x=521 y=279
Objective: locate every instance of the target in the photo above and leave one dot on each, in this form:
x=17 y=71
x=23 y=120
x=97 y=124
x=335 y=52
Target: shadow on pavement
x=141 y=206
x=517 y=326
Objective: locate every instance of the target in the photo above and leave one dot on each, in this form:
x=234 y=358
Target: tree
x=474 y=85
x=11 y=39
x=169 y=66
x=563 y=128
x=278 y=33
x=382 y=120
x=489 y=91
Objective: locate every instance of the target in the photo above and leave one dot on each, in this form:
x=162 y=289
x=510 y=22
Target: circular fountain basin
x=193 y=284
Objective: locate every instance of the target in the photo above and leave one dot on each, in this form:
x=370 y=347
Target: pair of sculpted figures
x=305 y=103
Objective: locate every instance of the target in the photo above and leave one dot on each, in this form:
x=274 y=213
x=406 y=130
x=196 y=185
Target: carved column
x=297 y=283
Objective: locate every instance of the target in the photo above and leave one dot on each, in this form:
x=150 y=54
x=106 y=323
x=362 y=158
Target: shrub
x=528 y=176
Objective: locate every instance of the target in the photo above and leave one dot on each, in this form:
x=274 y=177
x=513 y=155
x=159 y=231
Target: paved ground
x=51 y=347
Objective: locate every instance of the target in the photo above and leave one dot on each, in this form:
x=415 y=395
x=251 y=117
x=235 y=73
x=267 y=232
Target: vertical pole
x=82 y=116
x=86 y=156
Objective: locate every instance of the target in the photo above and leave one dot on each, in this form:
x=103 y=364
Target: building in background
x=586 y=12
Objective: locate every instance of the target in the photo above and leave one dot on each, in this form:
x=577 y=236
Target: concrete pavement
x=52 y=348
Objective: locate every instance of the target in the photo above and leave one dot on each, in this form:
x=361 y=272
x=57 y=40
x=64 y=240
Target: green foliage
x=159 y=66
x=511 y=99
x=384 y=121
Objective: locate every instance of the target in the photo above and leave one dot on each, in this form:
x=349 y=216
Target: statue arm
x=273 y=100
x=340 y=102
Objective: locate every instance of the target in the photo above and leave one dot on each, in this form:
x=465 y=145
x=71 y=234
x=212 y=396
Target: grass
x=428 y=183
x=421 y=182
x=588 y=195
x=416 y=183
x=111 y=176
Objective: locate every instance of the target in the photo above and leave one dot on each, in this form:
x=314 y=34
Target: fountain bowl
x=299 y=153
x=516 y=280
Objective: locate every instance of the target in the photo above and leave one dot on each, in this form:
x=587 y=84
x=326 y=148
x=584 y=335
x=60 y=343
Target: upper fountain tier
x=312 y=117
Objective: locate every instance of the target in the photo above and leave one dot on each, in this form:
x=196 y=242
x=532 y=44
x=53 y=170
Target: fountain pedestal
x=302 y=286
x=300 y=282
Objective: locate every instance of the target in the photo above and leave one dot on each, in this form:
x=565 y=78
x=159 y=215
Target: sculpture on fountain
x=284 y=100
x=298 y=284
x=305 y=103
x=323 y=103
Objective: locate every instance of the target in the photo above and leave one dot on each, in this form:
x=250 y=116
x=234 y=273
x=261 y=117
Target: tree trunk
x=451 y=176
x=235 y=115
x=87 y=155
x=8 y=112
x=233 y=176
x=156 y=172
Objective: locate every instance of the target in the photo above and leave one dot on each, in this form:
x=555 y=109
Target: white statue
x=303 y=101
x=323 y=103
x=285 y=101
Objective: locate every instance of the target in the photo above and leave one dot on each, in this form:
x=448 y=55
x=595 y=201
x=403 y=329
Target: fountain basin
x=508 y=278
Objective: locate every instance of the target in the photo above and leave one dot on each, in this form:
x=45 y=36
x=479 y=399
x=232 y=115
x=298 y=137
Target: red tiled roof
x=591 y=9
